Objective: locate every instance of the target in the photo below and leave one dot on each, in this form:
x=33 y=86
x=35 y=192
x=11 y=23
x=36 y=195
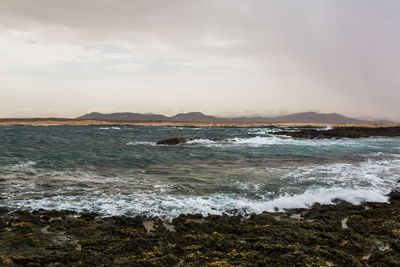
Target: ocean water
x=121 y=171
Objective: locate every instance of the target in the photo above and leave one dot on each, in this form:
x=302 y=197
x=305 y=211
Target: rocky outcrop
x=324 y=235
x=173 y=141
x=180 y=140
x=345 y=132
x=394 y=197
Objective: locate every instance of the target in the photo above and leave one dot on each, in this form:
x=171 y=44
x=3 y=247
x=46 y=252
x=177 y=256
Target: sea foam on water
x=220 y=170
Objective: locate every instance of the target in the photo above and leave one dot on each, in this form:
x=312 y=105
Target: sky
x=221 y=57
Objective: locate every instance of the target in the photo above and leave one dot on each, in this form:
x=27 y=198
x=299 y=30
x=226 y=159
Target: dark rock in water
x=344 y=132
x=394 y=197
x=179 y=140
x=3 y=210
x=89 y=215
x=172 y=141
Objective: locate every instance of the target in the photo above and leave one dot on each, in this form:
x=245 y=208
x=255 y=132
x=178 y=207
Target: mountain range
x=302 y=117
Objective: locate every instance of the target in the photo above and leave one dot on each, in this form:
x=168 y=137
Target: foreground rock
x=325 y=235
x=345 y=132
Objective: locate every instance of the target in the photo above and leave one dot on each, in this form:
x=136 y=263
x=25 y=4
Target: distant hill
x=195 y=116
x=129 y=116
x=303 y=117
x=123 y=116
x=313 y=117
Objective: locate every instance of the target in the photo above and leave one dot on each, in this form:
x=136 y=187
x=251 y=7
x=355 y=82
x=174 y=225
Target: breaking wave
x=370 y=180
x=271 y=140
x=251 y=170
x=172 y=206
x=24 y=165
x=134 y=143
x=109 y=128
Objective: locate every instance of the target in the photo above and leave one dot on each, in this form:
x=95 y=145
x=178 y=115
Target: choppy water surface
x=120 y=170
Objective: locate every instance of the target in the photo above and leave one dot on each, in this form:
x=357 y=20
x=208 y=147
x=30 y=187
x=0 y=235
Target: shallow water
x=121 y=170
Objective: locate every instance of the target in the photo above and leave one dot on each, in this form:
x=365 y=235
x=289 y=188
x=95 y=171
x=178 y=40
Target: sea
x=120 y=170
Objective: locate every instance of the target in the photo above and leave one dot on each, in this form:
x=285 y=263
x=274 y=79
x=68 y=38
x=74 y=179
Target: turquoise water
x=121 y=170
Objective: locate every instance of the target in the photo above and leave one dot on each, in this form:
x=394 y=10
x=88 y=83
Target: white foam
x=369 y=180
x=172 y=206
x=273 y=140
x=109 y=128
x=263 y=131
x=325 y=196
x=281 y=140
x=252 y=142
x=327 y=128
x=259 y=141
x=24 y=165
x=209 y=143
x=354 y=183
x=249 y=186
x=135 y=143
x=383 y=173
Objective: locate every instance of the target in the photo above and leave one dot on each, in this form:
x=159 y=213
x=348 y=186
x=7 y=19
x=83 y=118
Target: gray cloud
x=222 y=57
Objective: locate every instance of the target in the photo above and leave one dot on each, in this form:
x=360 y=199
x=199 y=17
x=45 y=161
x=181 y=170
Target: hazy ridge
x=302 y=117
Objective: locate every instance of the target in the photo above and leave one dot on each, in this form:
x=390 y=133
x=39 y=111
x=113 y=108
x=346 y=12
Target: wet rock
x=335 y=235
x=394 y=197
x=3 y=210
x=89 y=215
x=344 y=132
x=180 y=140
x=172 y=141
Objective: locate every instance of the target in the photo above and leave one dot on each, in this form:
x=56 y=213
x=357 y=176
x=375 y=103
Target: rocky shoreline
x=324 y=235
x=343 y=132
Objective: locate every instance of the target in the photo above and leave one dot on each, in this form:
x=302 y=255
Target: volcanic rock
x=343 y=132
x=172 y=141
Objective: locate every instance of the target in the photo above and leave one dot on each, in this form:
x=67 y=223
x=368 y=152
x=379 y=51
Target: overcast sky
x=221 y=57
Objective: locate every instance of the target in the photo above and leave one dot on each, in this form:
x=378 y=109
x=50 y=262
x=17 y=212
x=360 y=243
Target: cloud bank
x=65 y=58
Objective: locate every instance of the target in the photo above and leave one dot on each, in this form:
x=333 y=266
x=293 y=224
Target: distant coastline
x=198 y=119
x=78 y=122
